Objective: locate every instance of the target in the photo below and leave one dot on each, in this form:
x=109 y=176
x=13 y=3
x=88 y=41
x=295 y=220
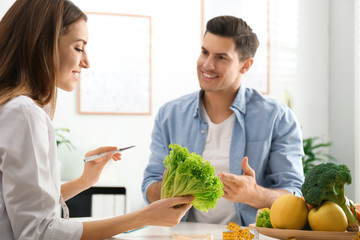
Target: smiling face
x=73 y=56
x=218 y=67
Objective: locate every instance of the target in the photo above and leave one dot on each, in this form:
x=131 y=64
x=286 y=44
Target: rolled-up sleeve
x=286 y=153
x=155 y=168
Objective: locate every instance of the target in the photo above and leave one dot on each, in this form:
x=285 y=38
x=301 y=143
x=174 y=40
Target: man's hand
x=154 y=191
x=244 y=189
x=240 y=188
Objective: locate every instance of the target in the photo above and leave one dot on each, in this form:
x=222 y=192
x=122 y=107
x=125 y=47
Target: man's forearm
x=154 y=191
x=267 y=197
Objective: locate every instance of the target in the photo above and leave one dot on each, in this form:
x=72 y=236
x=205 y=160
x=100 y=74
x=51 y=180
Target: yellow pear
x=328 y=217
x=289 y=212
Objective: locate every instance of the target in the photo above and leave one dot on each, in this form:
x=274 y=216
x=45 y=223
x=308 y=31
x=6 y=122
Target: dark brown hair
x=246 y=41
x=30 y=32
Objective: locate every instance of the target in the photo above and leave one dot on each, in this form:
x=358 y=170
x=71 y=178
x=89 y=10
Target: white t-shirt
x=30 y=176
x=217 y=150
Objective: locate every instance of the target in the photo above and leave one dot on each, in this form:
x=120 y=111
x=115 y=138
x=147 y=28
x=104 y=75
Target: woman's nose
x=85 y=63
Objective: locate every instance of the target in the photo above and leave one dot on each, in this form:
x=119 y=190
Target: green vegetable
x=263 y=219
x=326 y=182
x=188 y=174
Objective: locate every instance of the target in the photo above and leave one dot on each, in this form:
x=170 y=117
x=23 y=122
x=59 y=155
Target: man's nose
x=209 y=63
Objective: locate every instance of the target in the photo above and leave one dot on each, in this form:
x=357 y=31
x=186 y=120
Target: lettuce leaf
x=188 y=174
x=263 y=218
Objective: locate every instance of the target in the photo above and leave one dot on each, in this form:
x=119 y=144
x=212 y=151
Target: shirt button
x=202 y=131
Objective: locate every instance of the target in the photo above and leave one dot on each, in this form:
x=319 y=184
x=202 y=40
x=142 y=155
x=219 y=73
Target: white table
x=165 y=233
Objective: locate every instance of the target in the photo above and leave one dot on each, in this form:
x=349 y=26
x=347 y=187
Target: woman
x=42 y=46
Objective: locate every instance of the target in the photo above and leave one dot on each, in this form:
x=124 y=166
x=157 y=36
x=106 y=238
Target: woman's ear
x=246 y=65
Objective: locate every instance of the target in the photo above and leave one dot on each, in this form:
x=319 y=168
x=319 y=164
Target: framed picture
x=119 y=79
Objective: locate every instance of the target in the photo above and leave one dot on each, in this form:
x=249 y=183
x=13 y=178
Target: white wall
x=175 y=48
x=310 y=87
x=4 y=6
x=344 y=88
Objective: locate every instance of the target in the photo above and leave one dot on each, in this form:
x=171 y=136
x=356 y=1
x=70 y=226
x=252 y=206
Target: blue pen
x=133 y=230
x=96 y=156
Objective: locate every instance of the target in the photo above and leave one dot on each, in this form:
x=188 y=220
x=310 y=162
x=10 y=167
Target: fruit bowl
x=304 y=234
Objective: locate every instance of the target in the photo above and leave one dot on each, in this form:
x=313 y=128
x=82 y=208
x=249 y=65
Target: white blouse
x=29 y=175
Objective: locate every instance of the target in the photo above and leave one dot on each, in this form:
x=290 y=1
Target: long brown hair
x=30 y=32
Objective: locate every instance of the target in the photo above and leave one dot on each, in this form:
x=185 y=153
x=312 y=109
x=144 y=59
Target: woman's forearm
x=72 y=188
x=107 y=228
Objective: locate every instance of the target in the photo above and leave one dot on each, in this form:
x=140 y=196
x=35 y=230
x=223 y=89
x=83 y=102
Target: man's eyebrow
x=218 y=54
x=222 y=54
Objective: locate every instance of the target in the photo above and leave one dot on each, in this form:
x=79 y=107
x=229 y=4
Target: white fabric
x=217 y=150
x=64 y=207
x=29 y=175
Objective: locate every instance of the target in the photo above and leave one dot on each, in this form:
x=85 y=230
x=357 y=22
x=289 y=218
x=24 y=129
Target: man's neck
x=217 y=105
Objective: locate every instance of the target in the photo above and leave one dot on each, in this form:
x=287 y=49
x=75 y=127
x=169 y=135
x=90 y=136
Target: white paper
x=118 y=80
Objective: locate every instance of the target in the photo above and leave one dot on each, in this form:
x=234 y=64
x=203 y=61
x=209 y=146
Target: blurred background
x=311 y=64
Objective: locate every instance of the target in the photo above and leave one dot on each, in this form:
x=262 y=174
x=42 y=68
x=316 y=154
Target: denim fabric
x=265 y=131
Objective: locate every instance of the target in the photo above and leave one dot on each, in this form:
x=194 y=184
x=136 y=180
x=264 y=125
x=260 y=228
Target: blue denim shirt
x=265 y=131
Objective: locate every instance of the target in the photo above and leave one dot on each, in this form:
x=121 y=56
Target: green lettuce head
x=188 y=174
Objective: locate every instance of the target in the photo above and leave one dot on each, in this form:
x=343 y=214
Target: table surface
x=185 y=228
x=165 y=233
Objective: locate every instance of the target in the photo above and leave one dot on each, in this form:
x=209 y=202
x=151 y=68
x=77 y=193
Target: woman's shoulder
x=20 y=105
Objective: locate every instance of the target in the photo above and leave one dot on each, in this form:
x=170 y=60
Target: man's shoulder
x=257 y=100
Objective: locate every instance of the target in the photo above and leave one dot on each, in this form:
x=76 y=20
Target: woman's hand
x=167 y=212
x=93 y=169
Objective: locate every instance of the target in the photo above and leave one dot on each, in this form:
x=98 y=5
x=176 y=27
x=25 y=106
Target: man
x=254 y=143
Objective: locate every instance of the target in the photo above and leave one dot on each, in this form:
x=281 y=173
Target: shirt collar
x=239 y=102
x=197 y=104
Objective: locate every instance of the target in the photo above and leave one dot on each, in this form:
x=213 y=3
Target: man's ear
x=246 y=65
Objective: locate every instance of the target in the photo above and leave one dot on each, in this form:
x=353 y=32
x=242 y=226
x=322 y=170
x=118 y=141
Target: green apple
x=328 y=217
